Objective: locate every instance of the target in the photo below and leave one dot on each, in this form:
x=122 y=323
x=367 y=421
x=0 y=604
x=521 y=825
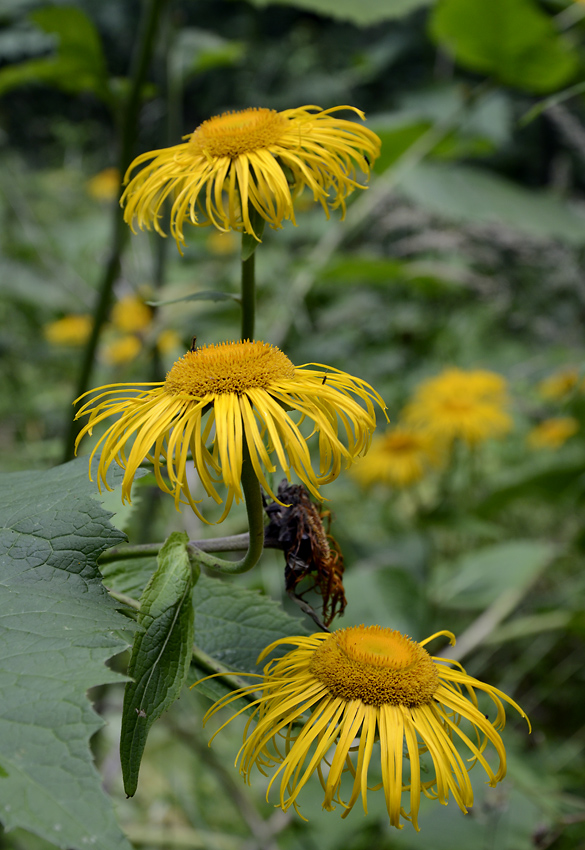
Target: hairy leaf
x=234 y=624
x=57 y=628
x=161 y=653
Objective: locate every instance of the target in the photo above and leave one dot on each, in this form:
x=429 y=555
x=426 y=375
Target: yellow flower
x=122 y=350
x=71 y=330
x=559 y=385
x=246 y=390
x=335 y=699
x=104 y=186
x=254 y=158
x=553 y=433
x=464 y=404
x=222 y=243
x=399 y=458
x=168 y=340
x=130 y=314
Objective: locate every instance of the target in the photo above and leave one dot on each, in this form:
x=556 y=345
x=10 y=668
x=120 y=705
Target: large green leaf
x=161 y=654
x=78 y=65
x=478 y=578
x=464 y=193
x=363 y=13
x=513 y=40
x=57 y=628
x=233 y=625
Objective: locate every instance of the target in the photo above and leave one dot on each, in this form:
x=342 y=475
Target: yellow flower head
x=122 y=350
x=104 y=186
x=130 y=314
x=245 y=391
x=168 y=340
x=336 y=699
x=559 y=385
x=71 y=330
x=465 y=404
x=553 y=433
x=254 y=158
x=398 y=458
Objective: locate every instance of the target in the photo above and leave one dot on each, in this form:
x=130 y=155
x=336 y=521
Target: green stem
x=248 y=297
x=233 y=543
x=255 y=511
x=201 y=550
x=128 y=133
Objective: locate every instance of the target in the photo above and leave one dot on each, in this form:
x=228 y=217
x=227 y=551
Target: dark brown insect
x=193 y=344
x=296 y=527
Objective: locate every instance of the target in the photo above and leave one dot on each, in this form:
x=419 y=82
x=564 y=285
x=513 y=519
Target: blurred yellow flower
x=222 y=243
x=457 y=403
x=246 y=389
x=71 y=331
x=168 y=340
x=130 y=314
x=334 y=700
x=253 y=158
x=398 y=458
x=558 y=385
x=104 y=186
x=121 y=350
x=553 y=433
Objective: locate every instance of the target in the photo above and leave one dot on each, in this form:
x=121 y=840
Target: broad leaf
x=477 y=579
x=363 y=13
x=57 y=628
x=78 y=64
x=161 y=653
x=234 y=624
x=469 y=194
x=512 y=40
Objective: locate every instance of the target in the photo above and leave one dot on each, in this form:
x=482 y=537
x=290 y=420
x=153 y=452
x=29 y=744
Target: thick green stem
x=201 y=550
x=248 y=297
x=255 y=511
x=128 y=133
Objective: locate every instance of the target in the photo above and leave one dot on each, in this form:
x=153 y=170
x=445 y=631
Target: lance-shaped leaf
x=57 y=628
x=161 y=652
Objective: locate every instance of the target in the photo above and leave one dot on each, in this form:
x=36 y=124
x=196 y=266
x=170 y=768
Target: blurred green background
x=466 y=250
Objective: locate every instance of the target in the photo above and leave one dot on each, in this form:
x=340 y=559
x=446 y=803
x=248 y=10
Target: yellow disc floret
x=230 y=367
x=236 y=133
x=377 y=666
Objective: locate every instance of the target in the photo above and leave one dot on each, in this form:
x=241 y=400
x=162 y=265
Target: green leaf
x=514 y=41
x=477 y=579
x=207 y=295
x=468 y=194
x=79 y=64
x=161 y=653
x=196 y=50
x=363 y=13
x=57 y=628
x=234 y=624
x=128 y=576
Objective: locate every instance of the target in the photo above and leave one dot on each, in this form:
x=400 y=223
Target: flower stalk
x=128 y=130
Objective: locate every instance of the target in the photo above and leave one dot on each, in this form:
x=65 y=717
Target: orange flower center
x=236 y=133
x=229 y=367
x=376 y=666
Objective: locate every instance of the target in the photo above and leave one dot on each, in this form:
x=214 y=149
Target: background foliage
x=466 y=250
